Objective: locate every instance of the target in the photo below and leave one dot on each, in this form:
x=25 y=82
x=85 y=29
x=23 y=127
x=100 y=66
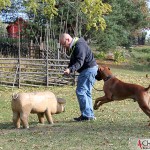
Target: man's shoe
x=84 y=118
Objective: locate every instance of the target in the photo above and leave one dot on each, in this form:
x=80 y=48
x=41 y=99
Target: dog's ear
x=101 y=68
x=107 y=67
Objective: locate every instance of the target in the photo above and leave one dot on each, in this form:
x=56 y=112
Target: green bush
x=119 y=56
x=146 y=50
x=100 y=55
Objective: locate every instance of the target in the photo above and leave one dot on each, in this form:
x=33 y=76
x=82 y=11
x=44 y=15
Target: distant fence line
x=34 y=72
x=36 y=61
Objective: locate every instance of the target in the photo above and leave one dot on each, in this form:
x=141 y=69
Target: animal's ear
x=101 y=68
x=14 y=96
x=107 y=68
x=61 y=100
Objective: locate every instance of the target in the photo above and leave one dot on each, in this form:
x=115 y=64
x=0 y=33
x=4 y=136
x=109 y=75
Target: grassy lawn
x=116 y=122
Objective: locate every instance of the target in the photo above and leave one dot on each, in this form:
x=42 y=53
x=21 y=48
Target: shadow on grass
x=100 y=130
x=92 y=127
x=10 y=126
x=6 y=125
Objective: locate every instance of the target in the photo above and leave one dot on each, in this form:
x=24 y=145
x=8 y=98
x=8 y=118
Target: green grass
x=141 y=57
x=136 y=58
x=116 y=122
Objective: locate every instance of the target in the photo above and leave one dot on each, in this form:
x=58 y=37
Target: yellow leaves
x=107 y=8
x=4 y=4
x=86 y=2
x=50 y=11
x=84 y=10
x=46 y=7
x=94 y=11
x=32 y=5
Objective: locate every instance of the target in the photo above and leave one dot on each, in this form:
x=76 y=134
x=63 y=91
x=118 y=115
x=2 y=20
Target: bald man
x=82 y=60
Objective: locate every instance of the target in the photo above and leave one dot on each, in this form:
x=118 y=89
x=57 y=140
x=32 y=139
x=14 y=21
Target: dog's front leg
x=99 y=101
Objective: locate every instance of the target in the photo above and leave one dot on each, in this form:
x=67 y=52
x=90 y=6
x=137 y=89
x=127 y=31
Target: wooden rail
x=34 y=72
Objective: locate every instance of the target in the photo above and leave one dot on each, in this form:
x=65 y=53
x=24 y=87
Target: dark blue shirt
x=81 y=57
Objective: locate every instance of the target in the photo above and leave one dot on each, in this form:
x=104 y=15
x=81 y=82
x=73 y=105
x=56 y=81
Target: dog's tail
x=146 y=89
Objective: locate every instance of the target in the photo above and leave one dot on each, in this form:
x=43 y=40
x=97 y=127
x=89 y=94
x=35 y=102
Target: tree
x=91 y=11
x=94 y=11
x=12 y=12
x=127 y=17
x=45 y=7
x=4 y=4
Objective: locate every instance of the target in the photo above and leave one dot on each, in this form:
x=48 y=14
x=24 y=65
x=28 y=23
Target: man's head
x=65 y=40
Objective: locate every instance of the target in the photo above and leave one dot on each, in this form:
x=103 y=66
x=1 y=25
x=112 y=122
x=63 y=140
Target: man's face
x=65 y=43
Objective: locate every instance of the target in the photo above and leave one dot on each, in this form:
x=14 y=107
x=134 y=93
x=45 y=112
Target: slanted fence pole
x=19 y=61
x=58 y=48
x=47 y=47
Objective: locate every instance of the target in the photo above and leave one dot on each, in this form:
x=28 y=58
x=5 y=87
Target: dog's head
x=103 y=73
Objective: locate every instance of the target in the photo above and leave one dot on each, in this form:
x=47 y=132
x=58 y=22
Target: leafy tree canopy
x=46 y=7
x=4 y=4
x=127 y=18
x=93 y=10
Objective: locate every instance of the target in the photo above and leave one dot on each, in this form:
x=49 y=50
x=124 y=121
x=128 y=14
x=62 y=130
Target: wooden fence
x=34 y=72
x=33 y=61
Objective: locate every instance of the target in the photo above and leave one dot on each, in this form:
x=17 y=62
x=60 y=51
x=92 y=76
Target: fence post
x=41 y=55
x=47 y=46
x=58 y=47
x=31 y=53
x=19 y=63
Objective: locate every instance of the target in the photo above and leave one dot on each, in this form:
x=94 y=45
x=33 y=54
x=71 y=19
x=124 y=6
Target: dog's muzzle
x=98 y=76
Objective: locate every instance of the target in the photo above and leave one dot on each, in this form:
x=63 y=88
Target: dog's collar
x=108 y=77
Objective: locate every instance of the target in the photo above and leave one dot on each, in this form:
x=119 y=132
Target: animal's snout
x=98 y=76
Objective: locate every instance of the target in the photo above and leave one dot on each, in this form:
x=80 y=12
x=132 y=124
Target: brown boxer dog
x=115 y=89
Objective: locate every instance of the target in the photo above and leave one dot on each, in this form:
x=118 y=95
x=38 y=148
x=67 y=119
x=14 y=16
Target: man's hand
x=67 y=71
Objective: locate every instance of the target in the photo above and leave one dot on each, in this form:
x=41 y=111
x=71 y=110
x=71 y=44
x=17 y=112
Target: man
x=82 y=61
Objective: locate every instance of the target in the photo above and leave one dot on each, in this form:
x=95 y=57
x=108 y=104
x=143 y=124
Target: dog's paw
x=95 y=107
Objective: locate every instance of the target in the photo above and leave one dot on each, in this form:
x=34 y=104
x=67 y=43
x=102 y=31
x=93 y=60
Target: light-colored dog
x=41 y=103
x=115 y=89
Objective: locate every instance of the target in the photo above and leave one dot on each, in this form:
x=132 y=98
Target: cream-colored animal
x=41 y=103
